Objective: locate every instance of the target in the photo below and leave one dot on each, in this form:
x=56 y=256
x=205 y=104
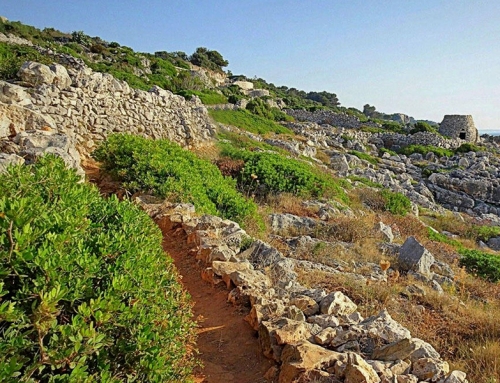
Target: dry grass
x=289 y=203
x=461 y=325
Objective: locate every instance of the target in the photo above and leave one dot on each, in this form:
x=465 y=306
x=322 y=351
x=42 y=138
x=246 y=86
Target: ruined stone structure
x=459 y=126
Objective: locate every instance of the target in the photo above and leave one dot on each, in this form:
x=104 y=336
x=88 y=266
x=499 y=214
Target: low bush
x=247 y=121
x=468 y=147
x=483 y=264
x=87 y=293
x=169 y=171
x=207 y=97
x=396 y=203
x=13 y=56
x=266 y=173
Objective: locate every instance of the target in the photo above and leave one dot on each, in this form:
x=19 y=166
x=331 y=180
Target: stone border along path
x=311 y=334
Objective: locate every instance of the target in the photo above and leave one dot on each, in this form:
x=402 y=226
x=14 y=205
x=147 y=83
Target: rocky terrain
x=312 y=333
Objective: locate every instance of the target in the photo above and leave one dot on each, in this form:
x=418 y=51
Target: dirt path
x=228 y=346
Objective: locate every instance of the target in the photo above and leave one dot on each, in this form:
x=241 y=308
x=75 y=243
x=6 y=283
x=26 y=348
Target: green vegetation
x=169 y=171
x=396 y=203
x=266 y=173
x=261 y=108
x=87 y=292
x=248 y=121
x=438 y=237
x=241 y=141
x=422 y=126
x=365 y=156
x=483 y=264
x=385 y=150
x=13 y=56
x=207 y=97
x=365 y=181
x=468 y=147
x=424 y=149
x=208 y=59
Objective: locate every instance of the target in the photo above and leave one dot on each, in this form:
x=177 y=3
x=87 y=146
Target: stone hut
x=459 y=126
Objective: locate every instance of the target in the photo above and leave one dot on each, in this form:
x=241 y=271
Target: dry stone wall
x=89 y=105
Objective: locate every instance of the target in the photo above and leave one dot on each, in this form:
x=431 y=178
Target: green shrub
x=438 y=237
x=396 y=203
x=87 y=292
x=422 y=126
x=207 y=97
x=365 y=156
x=467 y=147
x=424 y=149
x=482 y=232
x=483 y=264
x=274 y=173
x=13 y=56
x=169 y=171
x=247 y=121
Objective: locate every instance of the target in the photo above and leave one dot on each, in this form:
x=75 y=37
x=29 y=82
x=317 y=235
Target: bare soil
x=228 y=347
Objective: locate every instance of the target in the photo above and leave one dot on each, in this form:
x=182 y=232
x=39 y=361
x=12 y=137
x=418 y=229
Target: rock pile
x=312 y=334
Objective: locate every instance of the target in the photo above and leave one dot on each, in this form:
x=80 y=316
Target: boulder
x=337 y=304
x=456 y=377
x=61 y=79
x=412 y=349
x=298 y=359
x=306 y=304
x=382 y=326
x=36 y=74
x=415 y=257
x=359 y=371
x=430 y=368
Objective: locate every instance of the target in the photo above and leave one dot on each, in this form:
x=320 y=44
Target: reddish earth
x=228 y=347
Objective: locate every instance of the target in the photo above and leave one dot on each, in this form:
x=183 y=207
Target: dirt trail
x=228 y=346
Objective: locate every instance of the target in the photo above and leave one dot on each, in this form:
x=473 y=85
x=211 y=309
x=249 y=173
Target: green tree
x=208 y=59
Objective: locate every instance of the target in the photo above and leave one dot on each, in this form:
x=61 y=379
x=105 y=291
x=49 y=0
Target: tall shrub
x=87 y=293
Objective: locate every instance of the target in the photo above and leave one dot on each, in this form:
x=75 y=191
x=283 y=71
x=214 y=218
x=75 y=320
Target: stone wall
x=90 y=105
x=325 y=117
x=460 y=127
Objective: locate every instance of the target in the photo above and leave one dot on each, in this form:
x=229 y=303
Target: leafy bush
x=274 y=173
x=483 y=264
x=482 y=232
x=467 y=147
x=422 y=126
x=169 y=171
x=87 y=292
x=13 y=56
x=424 y=149
x=396 y=203
x=261 y=108
x=438 y=237
x=247 y=121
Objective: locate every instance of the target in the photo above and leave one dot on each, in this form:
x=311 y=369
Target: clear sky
x=425 y=58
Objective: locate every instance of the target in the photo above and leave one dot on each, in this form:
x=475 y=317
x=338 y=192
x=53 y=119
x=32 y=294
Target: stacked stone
x=90 y=105
x=459 y=126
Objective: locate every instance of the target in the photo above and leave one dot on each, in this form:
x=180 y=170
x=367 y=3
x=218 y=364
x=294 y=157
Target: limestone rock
x=326 y=336
x=456 y=377
x=324 y=320
x=304 y=356
x=61 y=79
x=338 y=304
x=412 y=349
x=359 y=371
x=382 y=326
x=9 y=159
x=413 y=256
x=306 y=304
x=36 y=74
x=430 y=368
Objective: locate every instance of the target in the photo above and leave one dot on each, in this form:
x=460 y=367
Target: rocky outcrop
x=311 y=334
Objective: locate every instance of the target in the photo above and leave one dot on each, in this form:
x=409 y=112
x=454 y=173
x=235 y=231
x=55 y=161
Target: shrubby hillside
x=364 y=244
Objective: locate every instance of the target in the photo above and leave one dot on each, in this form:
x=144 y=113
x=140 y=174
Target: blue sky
x=423 y=58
